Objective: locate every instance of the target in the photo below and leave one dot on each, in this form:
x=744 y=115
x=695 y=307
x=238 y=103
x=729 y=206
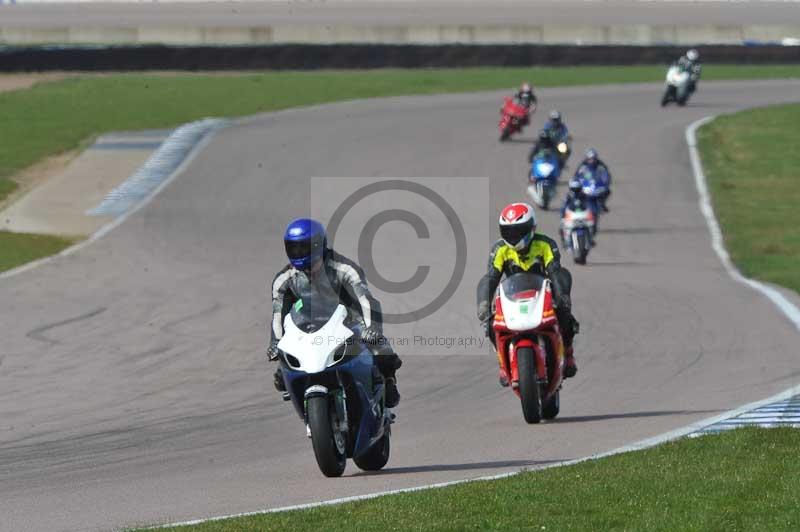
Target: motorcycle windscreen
x=522 y=297
x=309 y=347
x=310 y=314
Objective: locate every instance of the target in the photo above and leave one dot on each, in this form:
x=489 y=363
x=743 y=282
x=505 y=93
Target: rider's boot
x=392 y=395
x=280 y=385
x=570 y=366
x=502 y=377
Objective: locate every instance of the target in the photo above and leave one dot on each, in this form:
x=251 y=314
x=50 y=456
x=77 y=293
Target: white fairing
x=675 y=77
x=523 y=314
x=315 y=350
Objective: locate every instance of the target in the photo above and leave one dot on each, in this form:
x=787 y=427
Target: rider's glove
x=272 y=351
x=484 y=312
x=372 y=334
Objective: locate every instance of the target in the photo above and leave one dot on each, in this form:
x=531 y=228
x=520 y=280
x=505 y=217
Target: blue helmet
x=305 y=242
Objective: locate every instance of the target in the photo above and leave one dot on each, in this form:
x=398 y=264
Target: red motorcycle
x=529 y=344
x=513 y=118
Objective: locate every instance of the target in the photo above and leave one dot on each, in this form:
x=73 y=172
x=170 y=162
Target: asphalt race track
x=400 y=12
x=133 y=385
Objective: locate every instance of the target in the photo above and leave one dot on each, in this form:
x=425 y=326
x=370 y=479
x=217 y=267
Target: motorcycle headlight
x=562 y=147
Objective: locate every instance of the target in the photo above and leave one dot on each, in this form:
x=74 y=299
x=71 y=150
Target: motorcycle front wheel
x=530 y=393
x=580 y=247
x=667 y=96
x=329 y=443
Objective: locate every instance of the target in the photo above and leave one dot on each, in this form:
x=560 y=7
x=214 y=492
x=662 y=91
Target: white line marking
x=158 y=167
x=119 y=220
x=785 y=306
x=643 y=444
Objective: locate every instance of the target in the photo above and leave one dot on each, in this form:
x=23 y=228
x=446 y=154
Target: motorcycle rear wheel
x=552 y=407
x=530 y=392
x=331 y=457
x=376 y=457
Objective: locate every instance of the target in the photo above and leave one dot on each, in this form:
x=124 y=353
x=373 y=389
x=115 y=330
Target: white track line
x=784 y=305
x=120 y=219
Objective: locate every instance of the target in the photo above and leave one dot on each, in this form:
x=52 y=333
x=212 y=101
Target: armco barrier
x=355 y=56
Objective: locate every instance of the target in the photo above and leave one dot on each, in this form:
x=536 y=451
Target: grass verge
x=745 y=479
x=19 y=248
x=751 y=161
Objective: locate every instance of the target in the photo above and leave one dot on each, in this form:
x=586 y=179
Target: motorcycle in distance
x=677 y=86
x=513 y=118
x=577 y=230
x=335 y=388
x=542 y=179
x=529 y=344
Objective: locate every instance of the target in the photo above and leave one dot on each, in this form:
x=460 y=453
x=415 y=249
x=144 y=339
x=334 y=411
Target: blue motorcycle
x=544 y=174
x=335 y=387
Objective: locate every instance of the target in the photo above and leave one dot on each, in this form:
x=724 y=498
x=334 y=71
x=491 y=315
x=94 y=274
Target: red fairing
x=513 y=109
x=514 y=116
x=508 y=342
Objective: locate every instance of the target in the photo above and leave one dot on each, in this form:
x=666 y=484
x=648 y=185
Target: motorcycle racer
x=525 y=97
x=522 y=249
x=576 y=200
x=314 y=270
x=555 y=126
x=690 y=62
x=594 y=168
x=544 y=142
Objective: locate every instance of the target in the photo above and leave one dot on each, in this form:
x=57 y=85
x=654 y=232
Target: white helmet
x=526 y=87
x=692 y=55
x=517 y=225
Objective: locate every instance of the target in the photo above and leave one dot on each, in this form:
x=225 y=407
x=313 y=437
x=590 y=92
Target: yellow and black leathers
x=541 y=257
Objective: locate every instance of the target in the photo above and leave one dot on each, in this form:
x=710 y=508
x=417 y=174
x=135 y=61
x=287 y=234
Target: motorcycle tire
x=530 y=392
x=580 y=249
x=331 y=457
x=552 y=406
x=376 y=457
x=505 y=134
x=667 y=97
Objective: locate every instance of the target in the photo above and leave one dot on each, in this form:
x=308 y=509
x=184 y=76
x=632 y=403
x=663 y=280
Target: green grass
x=746 y=479
x=6 y=187
x=752 y=163
x=19 y=248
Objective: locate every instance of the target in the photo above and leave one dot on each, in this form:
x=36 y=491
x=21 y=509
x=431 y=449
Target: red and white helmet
x=517 y=225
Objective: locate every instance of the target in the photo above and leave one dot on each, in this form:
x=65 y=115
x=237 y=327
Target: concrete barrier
x=638 y=34
x=311 y=56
